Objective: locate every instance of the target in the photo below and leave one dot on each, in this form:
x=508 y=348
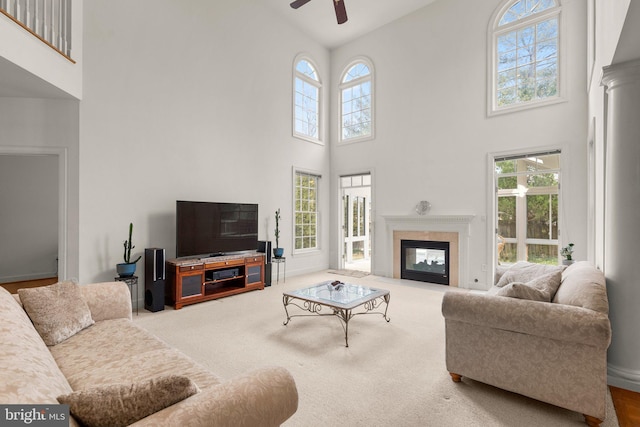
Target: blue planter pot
x=278 y=252
x=126 y=269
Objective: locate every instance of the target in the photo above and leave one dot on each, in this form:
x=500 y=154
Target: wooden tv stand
x=193 y=280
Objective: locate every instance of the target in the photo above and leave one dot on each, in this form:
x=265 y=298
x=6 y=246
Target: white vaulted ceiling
x=317 y=18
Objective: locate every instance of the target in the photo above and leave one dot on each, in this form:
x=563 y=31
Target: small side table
x=278 y=261
x=132 y=282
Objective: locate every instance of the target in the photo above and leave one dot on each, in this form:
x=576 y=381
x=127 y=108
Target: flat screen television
x=210 y=229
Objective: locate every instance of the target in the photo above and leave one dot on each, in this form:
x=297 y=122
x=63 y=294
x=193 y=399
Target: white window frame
x=492 y=202
x=494 y=30
x=318 y=176
x=318 y=85
x=355 y=82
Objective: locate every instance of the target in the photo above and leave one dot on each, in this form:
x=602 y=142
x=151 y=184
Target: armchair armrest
x=549 y=320
x=264 y=397
x=108 y=300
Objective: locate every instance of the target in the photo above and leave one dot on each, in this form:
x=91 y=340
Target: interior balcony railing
x=48 y=20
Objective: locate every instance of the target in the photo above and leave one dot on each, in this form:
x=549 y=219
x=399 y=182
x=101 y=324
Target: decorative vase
x=567 y=261
x=278 y=252
x=125 y=269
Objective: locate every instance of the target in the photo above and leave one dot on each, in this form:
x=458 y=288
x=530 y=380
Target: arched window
x=356 y=101
x=306 y=100
x=525 y=56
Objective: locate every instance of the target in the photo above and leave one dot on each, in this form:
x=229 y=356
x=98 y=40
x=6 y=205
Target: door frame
x=63 y=187
x=340 y=216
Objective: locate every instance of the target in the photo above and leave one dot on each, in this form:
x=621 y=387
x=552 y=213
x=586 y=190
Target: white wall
x=433 y=135
x=194 y=104
x=607 y=19
x=615 y=42
x=28 y=217
x=48 y=126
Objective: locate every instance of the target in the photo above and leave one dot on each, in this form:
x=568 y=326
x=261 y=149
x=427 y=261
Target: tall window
x=305 y=210
x=527 y=207
x=306 y=102
x=525 y=57
x=356 y=102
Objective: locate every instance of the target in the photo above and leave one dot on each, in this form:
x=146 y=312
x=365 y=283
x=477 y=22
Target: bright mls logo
x=34 y=415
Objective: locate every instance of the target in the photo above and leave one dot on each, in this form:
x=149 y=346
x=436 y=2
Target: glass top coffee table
x=339 y=298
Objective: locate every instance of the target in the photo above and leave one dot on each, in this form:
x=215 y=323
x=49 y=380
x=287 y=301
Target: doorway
x=355 y=222
x=34 y=191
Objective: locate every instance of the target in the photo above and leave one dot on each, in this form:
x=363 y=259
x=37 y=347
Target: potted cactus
x=277 y=251
x=128 y=267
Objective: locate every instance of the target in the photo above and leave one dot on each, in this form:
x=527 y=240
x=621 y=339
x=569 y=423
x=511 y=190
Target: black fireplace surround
x=425 y=261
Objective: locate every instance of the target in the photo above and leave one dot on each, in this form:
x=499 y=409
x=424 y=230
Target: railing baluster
x=36 y=17
x=28 y=16
x=56 y=20
x=63 y=26
x=60 y=28
x=67 y=26
x=53 y=23
x=47 y=22
x=40 y=29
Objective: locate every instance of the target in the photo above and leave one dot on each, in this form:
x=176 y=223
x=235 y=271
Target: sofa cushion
x=116 y=405
x=583 y=286
x=57 y=311
x=87 y=359
x=524 y=272
x=29 y=374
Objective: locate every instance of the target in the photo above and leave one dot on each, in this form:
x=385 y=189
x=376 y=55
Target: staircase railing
x=48 y=20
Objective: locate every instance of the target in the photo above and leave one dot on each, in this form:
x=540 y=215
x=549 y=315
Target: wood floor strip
x=627 y=404
x=14 y=286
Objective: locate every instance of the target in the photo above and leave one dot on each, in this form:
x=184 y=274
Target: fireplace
x=455 y=229
x=425 y=261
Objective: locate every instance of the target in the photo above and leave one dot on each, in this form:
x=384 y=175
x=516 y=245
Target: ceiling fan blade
x=296 y=4
x=341 y=11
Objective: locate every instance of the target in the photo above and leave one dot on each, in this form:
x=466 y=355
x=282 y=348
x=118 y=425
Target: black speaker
x=265 y=248
x=154 y=279
x=267 y=274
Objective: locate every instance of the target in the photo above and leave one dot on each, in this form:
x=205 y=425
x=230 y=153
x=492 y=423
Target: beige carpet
x=393 y=374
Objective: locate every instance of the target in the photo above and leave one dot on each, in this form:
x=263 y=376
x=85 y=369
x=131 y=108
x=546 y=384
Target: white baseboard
x=623 y=378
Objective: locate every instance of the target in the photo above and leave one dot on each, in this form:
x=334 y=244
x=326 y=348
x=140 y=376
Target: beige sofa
x=116 y=351
x=553 y=351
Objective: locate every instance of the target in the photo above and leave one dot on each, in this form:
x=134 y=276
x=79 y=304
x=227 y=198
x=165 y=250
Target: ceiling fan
x=341 y=11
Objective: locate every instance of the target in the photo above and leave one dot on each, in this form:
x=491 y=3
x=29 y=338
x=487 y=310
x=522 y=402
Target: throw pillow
x=57 y=311
x=526 y=271
x=541 y=288
x=548 y=283
x=123 y=404
x=522 y=291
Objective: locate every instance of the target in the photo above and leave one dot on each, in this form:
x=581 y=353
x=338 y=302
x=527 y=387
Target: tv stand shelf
x=193 y=280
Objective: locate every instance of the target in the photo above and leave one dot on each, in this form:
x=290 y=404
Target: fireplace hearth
x=425 y=261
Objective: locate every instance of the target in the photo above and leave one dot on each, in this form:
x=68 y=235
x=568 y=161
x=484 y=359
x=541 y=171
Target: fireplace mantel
x=462 y=223
x=456 y=223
